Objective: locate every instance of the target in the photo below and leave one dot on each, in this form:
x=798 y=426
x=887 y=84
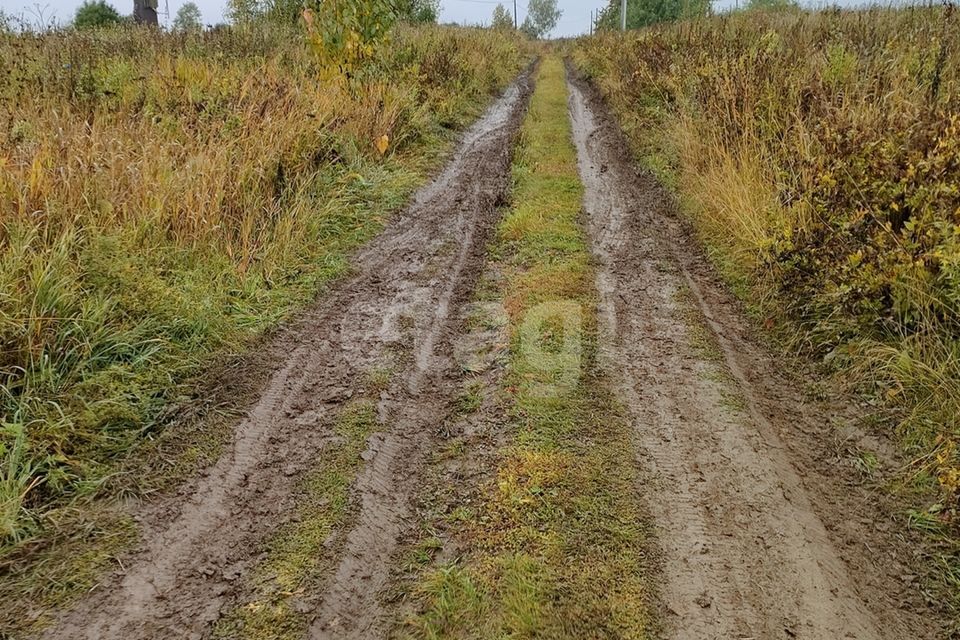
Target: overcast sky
x=574 y=21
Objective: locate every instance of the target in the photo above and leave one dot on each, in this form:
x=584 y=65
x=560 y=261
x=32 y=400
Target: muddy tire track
x=761 y=533
x=397 y=310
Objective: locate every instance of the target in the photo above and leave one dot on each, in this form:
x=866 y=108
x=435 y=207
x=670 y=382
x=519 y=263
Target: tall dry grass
x=818 y=154
x=165 y=197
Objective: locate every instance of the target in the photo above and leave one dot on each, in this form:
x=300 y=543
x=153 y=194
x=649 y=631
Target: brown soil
x=764 y=529
x=399 y=310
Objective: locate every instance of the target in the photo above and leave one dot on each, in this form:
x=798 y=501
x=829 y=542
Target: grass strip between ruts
x=556 y=546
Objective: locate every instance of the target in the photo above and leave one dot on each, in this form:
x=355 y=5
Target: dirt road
x=761 y=532
x=395 y=314
x=760 y=535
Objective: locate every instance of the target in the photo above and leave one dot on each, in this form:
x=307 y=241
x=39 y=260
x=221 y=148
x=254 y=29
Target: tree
x=418 y=11
x=94 y=14
x=243 y=12
x=188 y=18
x=501 y=18
x=542 y=17
x=642 y=13
x=772 y=5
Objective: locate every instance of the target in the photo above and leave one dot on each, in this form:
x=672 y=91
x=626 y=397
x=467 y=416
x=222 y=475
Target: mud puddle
x=762 y=532
x=398 y=310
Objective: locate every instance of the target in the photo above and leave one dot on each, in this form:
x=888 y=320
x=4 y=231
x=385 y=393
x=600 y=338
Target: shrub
x=96 y=14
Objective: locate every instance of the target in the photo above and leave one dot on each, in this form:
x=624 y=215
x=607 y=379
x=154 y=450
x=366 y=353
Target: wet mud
x=398 y=312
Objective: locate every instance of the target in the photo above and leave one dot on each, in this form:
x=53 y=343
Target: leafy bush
x=96 y=14
x=347 y=33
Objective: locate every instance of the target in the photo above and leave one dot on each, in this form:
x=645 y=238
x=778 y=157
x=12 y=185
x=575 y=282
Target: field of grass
x=818 y=157
x=555 y=546
x=166 y=198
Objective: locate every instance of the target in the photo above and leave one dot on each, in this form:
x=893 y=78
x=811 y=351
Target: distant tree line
x=242 y=12
x=643 y=13
x=100 y=14
x=542 y=17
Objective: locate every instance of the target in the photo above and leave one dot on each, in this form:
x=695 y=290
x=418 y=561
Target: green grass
x=470 y=398
x=555 y=546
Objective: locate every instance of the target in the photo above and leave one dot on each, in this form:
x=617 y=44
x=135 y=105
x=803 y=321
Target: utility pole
x=623 y=15
x=591 y=21
x=516 y=25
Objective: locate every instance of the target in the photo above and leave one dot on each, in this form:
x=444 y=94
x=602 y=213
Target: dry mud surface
x=761 y=532
x=398 y=312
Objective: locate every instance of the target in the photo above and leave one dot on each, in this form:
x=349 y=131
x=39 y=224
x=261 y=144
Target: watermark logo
x=547 y=348
x=551 y=346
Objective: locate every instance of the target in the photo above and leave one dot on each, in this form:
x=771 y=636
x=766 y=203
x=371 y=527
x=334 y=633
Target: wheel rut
x=398 y=310
x=759 y=535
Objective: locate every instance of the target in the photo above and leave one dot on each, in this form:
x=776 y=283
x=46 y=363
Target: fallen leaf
x=383 y=142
